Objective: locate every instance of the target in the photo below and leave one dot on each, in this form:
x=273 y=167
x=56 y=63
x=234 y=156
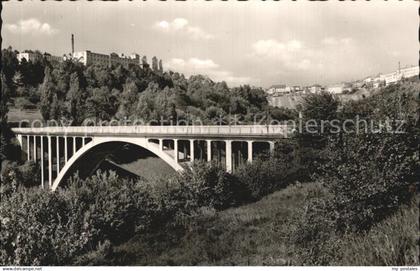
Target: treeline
x=70 y=91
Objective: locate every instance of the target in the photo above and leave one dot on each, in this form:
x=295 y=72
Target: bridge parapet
x=272 y=131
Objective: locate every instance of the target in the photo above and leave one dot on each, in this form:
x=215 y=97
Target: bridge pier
x=208 y=150
x=271 y=147
x=192 y=150
x=42 y=160
x=176 y=150
x=57 y=144
x=28 y=150
x=250 y=151
x=49 y=162
x=228 y=155
x=66 y=154
x=34 y=148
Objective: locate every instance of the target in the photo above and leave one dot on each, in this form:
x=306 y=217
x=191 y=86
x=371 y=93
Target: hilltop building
x=36 y=55
x=396 y=76
x=278 y=90
x=88 y=58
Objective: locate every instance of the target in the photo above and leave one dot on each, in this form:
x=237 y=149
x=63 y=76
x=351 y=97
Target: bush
x=32 y=227
x=267 y=174
x=370 y=176
x=45 y=228
x=209 y=185
x=367 y=177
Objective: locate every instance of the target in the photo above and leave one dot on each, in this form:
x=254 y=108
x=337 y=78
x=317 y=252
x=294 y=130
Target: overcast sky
x=260 y=43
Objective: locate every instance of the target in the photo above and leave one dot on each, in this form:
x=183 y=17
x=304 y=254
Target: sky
x=257 y=42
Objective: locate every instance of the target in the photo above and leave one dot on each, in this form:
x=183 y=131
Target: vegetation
x=357 y=204
x=367 y=176
x=75 y=93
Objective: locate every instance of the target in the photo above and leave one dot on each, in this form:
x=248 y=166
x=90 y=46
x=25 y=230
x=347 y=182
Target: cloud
x=31 y=26
x=336 y=41
x=321 y=60
x=290 y=53
x=207 y=67
x=182 y=26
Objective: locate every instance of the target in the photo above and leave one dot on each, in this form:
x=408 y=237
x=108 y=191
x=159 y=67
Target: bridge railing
x=160 y=130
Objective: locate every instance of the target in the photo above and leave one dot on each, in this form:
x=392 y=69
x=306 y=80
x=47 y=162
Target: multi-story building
x=341 y=88
x=52 y=58
x=277 y=90
x=35 y=56
x=88 y=58
x=315 y=88
x=396 y=76
x=28 y=56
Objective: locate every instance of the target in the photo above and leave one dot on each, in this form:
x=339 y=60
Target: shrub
x=367 y=177
x=45 y=228
x=209 y=185
x=267 y=174
x=32 y=223
x=370 y=176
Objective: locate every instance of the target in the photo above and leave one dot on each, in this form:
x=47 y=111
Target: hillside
x=291 y=101
x=258 y=234
x=253 y=234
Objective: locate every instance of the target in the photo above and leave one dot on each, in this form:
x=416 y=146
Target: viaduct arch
x=141 y=142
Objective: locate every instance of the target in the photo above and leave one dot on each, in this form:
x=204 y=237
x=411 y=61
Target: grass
x=254 y=234
x=394 y=241
x=257 y=234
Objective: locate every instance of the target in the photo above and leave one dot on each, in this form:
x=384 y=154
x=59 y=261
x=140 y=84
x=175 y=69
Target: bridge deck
x=244 y=131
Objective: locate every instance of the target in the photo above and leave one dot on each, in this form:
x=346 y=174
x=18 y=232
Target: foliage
x=68 y=90
x=68 y=223
x=209 y=185
x=268 y=174
x=367 y=176
x=394 y=241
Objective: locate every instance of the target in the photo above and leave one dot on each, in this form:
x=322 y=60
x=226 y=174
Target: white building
x=396 y=76
x=88 y=58
x=277 y=90
x=336 y=89
x=35 y=56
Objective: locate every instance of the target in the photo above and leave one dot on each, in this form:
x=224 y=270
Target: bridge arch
x=141 y=142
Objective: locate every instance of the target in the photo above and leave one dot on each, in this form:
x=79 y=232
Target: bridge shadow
x=127 y=160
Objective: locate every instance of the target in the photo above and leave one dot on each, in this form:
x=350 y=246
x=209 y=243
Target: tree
x=155 y=66
x=47 y=93
x=99 y=105
x=313 y=138
x=160 y=66
x=75 y=100
x=9 y=64
x=4 y=99
x=6 y=151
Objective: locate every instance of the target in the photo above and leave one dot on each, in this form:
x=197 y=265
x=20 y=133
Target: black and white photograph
x=210 y=134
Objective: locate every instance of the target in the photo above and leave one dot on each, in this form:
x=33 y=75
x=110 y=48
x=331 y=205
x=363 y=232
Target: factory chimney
x=72 y=44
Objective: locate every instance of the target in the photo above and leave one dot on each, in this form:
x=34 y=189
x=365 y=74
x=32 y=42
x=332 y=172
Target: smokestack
x=72 y=44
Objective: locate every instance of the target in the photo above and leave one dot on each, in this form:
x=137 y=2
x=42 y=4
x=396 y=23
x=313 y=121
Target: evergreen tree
x=155 y=67
x=4 y=135
x=74 y=100
x=4 y=99
x=47 y=90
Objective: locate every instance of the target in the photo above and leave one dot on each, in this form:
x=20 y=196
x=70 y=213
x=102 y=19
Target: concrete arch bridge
x=57 y=149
